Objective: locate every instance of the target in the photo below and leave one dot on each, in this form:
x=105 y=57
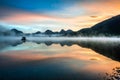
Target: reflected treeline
x=109 y=49
x=6 y=43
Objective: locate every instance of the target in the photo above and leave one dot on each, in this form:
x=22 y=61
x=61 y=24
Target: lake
x=55 y=58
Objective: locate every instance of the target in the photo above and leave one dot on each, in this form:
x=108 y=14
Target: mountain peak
x=16 y=31
x=107 y=27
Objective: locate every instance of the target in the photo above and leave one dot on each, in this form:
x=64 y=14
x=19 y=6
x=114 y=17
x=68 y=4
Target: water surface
x=58 y=58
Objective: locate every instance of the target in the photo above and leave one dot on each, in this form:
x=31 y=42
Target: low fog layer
x=107 y=46
x=114 y=39
x=99 y=39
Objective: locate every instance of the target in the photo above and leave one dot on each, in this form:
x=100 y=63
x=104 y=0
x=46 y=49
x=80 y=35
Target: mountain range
x=109 y=27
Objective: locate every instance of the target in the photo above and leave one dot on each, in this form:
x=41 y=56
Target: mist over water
x=4 y=41
x=99 y=39
x=63 y=58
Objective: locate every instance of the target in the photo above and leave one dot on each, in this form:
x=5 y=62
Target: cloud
x=80 y=14
x=107 y=7
x=93 y=16
x=68 y=12
x=43 y=26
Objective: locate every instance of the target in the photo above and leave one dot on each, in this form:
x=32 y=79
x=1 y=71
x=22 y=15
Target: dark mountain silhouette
x=109 y=27
x=51 y=33
x=48 y=32
x=34 y=34
x=62 y=31
x=12 y=32
x=70 y=33
x=16 y=31
x=38 y=32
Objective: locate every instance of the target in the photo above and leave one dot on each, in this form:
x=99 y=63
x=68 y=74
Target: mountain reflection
x=108 y=49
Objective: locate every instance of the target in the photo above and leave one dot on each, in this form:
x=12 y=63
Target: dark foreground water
x=59 y=59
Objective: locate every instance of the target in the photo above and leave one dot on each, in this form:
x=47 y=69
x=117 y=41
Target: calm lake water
x=60 y=59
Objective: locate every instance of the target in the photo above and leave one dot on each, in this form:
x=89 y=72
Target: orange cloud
x=108 y=7
x=94 y=12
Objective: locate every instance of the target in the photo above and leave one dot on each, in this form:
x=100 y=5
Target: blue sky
x=41 y=5
x=33 y=15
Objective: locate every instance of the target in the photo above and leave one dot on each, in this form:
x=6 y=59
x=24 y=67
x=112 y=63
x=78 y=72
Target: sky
x=40 y=15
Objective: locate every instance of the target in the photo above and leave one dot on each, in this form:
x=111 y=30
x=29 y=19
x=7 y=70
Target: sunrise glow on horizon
x=40 y=15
